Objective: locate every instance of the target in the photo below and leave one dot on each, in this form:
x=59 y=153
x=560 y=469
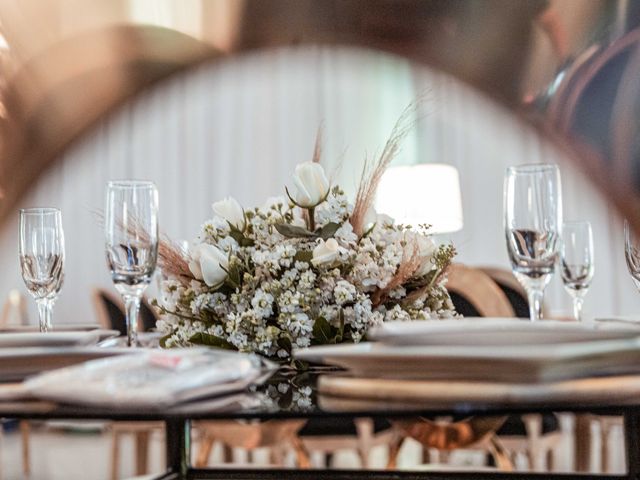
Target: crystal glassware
x=42 y=258
x=131 y=230
x=632 y=252
x=577 y=262
x=532 y=220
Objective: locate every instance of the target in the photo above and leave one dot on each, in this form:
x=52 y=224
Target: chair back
x=111 y=313
x=475 y=294
x=14 y=311
x=513 y=289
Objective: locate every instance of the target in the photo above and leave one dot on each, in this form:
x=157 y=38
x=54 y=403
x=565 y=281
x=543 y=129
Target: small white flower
x=345 y=234
x=344 y=292
x=311 y=184
x=209 y=263
x=262 y=304
x=231 y=211
x=326 y=253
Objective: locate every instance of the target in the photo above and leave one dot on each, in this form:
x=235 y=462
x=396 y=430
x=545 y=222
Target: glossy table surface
x=290 y=394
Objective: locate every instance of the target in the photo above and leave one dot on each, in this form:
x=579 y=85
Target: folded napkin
x=151 y=379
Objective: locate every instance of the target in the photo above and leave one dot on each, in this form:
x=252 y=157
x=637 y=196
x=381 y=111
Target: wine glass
x=632 y=252
x=131 y=230
x=42 y=258
x=532 y=219
x=577 y=262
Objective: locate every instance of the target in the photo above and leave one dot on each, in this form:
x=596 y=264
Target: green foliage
x=326 y=334
x=293 y=231
x=209 y=340
x=303 y=256
x=329 y=230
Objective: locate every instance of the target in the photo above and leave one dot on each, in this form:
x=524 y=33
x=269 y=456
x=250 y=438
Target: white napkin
x=157 y=378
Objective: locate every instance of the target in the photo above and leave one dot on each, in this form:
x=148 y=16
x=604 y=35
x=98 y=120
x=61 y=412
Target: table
x=262 y=404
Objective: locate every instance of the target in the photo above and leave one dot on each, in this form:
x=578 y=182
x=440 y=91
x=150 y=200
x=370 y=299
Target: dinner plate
x=16 y=364
x=472 y=331
x=536 y=363
x=145 y=340
x=57 y=327
x=53 y=339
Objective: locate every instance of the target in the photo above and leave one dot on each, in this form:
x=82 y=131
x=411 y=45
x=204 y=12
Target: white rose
x=311 y=184
x=208 y=263
x=231 y=211
x=326 y=252
x=426 y=249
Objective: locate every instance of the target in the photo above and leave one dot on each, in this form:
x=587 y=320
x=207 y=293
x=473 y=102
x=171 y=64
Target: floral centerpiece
x=303 y=269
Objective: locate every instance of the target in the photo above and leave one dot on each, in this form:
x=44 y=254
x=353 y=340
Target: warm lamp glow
x=418 y=194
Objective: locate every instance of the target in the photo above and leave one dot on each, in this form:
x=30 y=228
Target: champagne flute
x=42 y=258
x=632 y=253
x=532 y=219
x=577 y=262
x=131 y=230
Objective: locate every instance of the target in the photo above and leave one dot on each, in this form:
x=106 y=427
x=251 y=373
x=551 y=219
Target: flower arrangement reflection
x=288 y=391
x=303 y=269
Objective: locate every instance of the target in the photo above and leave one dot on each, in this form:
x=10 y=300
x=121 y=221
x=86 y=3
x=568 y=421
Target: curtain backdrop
x=239 y=128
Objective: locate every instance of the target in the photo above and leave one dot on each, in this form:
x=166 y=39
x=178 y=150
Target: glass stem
x=132 y=305
x=45 y=305
x=577 y=307
x=535 y=304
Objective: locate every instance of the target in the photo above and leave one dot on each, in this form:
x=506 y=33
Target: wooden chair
x=360 y=435
x=277 y=435
x=474 y=293
x=111 y=314
x=14 y=311
x=513 y=290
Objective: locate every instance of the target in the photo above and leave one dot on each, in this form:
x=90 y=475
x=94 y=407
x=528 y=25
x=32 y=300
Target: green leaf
x=209 y=340
x=368 y=232
x=329 y=230
x=285 y=344
x=247 y=242
x=163 y=341
x=236 y=235
x=293 y=231
x=303 y=256
x=323 y=332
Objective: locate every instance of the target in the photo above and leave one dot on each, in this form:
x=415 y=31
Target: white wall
x=238 y=129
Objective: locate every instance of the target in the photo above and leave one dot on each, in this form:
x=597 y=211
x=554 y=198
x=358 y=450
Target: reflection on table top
x=295 y=395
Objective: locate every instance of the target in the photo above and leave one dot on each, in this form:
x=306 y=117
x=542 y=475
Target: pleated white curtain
x=239 y=128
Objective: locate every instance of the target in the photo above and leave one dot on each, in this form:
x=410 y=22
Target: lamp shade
x=419 y=194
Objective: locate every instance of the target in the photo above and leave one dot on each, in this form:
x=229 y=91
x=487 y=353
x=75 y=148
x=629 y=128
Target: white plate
x=57 y=327
x=536 y=363
x=472 y=331
x=145 y=340
x=53 y=339
x=18 y=363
